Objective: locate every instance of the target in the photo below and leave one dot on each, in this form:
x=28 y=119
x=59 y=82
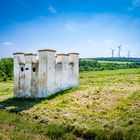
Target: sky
x=90 y=27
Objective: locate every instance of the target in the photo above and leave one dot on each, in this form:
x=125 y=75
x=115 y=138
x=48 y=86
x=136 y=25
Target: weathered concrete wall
x=58 y=76
x=29 y=60
x=74 y=61
x=18 y=74
x=22 y=80
x=71 y=65
x=46 y=74
x=65 y=72
x=42 y=75
x=34 y=82
x=49 y=75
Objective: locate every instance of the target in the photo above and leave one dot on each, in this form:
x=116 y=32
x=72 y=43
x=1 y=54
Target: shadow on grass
x=17 y=105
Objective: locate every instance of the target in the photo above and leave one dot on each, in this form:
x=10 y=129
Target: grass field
x=106 y=106
x=118 y=62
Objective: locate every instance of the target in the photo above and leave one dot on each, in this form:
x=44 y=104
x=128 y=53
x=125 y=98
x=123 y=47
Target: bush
x=6 y=68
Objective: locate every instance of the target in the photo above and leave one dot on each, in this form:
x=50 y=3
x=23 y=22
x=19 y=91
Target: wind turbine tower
x=112 y=51
x=119 y=47
x=129 y=54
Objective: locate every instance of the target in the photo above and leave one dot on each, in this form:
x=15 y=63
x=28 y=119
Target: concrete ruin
x=45 y=76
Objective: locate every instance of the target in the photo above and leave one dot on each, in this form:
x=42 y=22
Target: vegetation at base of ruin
x=6 y=65
x=106 y=106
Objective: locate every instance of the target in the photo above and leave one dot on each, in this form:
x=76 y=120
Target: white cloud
x=52 y=10
x=69 y=27
x=130 y=8
x=90 y=41
x=109 y=41
x=7 y=43
x=136 y=3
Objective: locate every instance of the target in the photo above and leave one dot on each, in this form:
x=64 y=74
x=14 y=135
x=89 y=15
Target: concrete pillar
x=62 y=74
x=22 y=80
x=29 y=60
x=46 y=73
x=58 y=73
x=65 y=71
x=74 y=69
x=19 y=64
x=34 y=83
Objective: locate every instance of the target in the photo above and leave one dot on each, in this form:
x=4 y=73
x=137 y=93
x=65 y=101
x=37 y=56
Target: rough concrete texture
x=44 y=77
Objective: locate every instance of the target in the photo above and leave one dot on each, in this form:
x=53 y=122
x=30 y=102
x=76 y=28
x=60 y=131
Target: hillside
x=106 y=105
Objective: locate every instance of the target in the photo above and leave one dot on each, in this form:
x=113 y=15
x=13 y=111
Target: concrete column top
x=73 y=53
x=62 y=54
x=19 y=53
x=46 y=50
x=30 y=54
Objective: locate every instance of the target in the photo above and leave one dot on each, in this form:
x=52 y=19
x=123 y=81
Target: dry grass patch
x=105 y=106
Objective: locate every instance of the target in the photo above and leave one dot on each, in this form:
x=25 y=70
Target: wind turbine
x=112 y=51
x=119 y=47
x=129 y=54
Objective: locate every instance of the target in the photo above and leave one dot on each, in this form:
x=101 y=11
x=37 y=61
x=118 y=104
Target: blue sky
x=91 y=27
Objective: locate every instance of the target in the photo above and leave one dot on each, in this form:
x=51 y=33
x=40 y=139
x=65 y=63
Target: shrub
x=6 y=68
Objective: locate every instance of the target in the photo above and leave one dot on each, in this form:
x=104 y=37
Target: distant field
x=106 y=106
x=118 y=62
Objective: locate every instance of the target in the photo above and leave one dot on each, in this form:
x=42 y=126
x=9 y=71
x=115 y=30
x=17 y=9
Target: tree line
x=6 y=69
x=120 y=59
x=6 y=66
x=94 y=65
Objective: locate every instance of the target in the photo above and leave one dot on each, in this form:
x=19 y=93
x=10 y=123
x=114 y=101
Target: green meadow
x=105 y=106
x=118 y=62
